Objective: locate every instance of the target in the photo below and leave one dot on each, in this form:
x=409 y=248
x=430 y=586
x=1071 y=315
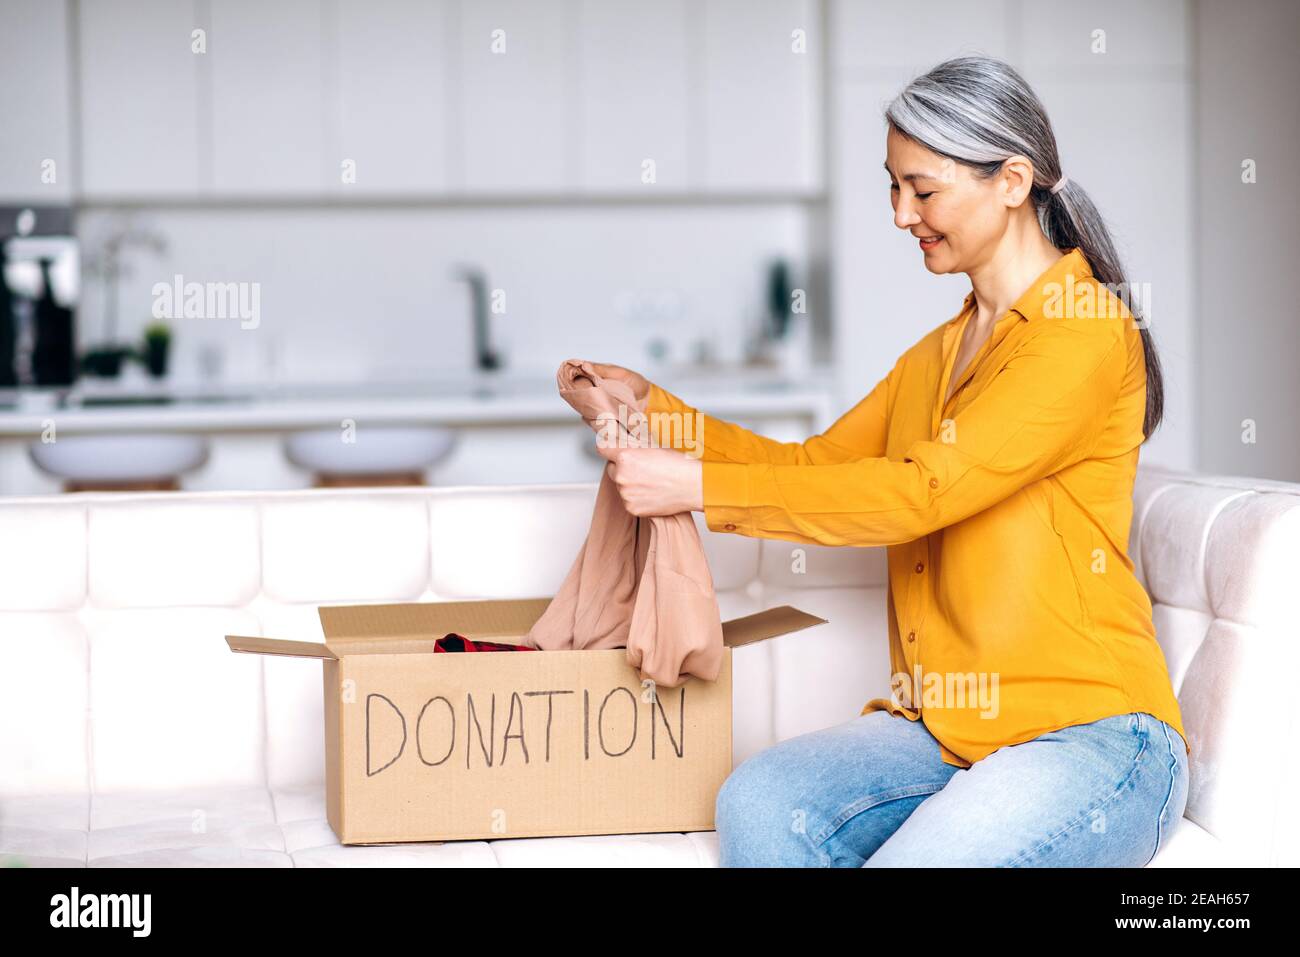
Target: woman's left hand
x=655 y=481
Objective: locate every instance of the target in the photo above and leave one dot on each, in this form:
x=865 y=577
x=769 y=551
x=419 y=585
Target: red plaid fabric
x=454 y=642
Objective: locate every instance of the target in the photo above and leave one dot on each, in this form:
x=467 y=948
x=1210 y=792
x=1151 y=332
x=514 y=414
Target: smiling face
x=956 y=217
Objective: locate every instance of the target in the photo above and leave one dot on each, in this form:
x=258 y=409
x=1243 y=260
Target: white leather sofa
x=131 y=735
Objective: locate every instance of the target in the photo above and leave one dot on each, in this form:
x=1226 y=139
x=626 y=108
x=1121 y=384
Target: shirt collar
x=1072 y=268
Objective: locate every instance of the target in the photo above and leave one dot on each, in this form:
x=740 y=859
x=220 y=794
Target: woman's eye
x=894 y=186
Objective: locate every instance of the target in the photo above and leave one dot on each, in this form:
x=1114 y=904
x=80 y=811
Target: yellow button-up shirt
x=1013 y=605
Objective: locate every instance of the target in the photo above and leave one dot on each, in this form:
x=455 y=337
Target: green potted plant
x=157 y=345
x=105 y=361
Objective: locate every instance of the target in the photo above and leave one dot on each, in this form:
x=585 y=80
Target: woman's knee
x=754 y=815
x=750 y=793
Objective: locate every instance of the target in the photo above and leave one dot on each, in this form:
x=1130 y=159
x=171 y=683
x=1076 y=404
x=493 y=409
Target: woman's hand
x=639 y=384
x=650 y=481
x=655 y=481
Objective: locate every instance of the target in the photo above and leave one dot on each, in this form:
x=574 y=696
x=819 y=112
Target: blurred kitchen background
x=414 y=210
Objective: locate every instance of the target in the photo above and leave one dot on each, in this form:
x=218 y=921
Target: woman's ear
x=1016 y=180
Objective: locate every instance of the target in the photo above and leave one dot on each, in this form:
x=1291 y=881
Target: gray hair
x=978 y=111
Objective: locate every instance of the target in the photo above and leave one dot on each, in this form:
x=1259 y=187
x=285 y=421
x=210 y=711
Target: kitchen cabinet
x=34 y=102
x=515 y=455
x=268 y=98
x=313 y=99
x=760 y=122
x=633 y=95
x=139 y=98
x=393 y=83
x=896 y=42
x=517 y=71
x=1147 y=37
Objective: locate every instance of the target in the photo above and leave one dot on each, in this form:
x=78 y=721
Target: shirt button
x=911 y=636
x=729 y=527
x=920 y=567
x=934 y=483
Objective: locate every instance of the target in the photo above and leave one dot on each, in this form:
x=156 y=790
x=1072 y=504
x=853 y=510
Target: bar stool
x=127 y=462
x=380 y=455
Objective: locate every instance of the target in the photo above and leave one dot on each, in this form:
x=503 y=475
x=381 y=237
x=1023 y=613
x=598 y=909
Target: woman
x=1032 y=721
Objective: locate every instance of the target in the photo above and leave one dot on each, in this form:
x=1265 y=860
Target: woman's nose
x=904 y=216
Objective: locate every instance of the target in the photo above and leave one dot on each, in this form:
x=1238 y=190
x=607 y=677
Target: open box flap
x=768 y=623
x=249 y=644
x=409 y=627
x=414 y=626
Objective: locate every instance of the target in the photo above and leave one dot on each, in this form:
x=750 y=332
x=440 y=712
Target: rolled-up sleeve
x=1043 y=411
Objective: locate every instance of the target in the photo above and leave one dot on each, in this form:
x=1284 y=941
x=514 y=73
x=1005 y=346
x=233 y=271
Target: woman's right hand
x=639 y=384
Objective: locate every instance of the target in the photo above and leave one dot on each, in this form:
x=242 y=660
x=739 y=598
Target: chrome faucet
x=484 y=356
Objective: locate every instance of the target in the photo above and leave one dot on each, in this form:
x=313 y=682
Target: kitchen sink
x=116 y=400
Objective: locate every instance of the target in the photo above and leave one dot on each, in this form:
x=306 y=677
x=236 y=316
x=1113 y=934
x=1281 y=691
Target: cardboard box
x=431 y=747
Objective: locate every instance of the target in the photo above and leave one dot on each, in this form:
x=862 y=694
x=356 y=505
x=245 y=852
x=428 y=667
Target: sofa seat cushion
x=251 y=827
x=194 y=827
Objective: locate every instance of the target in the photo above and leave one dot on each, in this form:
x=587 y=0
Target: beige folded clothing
x=639 y=583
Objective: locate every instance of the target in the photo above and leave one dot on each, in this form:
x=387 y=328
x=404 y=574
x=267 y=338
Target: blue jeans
x=873 y=792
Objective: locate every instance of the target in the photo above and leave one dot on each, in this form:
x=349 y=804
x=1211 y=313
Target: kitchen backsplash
x=332 y=294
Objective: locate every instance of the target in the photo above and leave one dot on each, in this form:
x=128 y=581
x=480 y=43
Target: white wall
x=1248 y=234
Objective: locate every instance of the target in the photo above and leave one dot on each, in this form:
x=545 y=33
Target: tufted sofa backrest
x=1220 y=558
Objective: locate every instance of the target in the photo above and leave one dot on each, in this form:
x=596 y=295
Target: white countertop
x=485 y=400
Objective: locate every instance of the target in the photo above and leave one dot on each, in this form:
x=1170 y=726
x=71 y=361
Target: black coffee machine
x=39 y=279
